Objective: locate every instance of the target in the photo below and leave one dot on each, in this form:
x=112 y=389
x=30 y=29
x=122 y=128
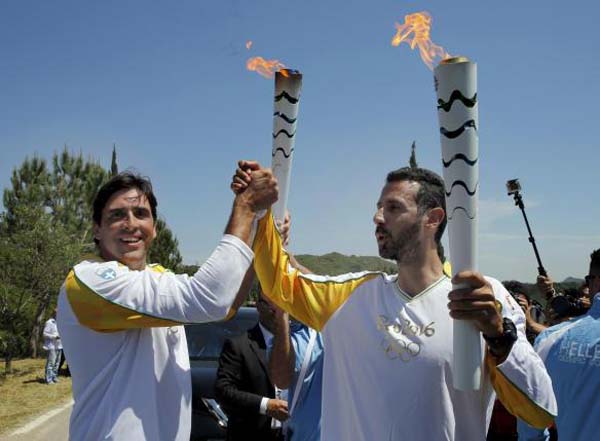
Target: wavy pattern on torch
x=451 y=215
x=282 y=150
x=288 y=97
x=463 y=185
x=284 y=117
x=285 y=132
x=456 y=133
x=462 y=157
x=456 y=95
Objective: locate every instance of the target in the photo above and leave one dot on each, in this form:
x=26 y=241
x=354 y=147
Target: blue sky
x=166 y=82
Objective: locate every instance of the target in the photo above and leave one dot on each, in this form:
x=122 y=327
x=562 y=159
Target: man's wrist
x=242 y=207
x=264 y=404
x=500 y=345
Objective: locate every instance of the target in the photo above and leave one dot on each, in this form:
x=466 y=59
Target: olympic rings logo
x=400 y=349
x=396 y=342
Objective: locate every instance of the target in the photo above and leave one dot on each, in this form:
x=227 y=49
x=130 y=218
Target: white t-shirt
x=126 y=348
x=51 y=337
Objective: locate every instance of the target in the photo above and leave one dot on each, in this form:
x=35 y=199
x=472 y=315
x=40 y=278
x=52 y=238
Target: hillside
x=334 y=263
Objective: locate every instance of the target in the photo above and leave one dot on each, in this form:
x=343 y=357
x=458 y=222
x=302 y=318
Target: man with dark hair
x=387 y=369
x=121 y=319
x=571 y=352
x=534 y=317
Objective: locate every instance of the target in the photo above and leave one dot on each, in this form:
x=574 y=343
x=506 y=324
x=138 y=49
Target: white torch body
x=456 y=87
x=287 y=98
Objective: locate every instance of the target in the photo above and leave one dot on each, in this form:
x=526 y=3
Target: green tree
x=165 y=248
x=62 y=198
x=36 y=255
x=114 y=168
x=29 y=184
x=73 y=185
x=412 y=162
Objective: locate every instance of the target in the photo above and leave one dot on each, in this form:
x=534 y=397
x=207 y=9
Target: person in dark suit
x=243 y=387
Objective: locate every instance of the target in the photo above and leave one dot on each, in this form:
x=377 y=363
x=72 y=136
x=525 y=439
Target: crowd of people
x=361 y=356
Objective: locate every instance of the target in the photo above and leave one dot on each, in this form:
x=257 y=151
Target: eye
x=141 y=213
x=116 y=215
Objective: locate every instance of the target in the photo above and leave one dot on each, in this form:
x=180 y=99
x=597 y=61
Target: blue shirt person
x=571 y=353
x=299 y=367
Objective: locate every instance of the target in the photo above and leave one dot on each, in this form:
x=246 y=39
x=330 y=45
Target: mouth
x=380 y=235
x=130 y=241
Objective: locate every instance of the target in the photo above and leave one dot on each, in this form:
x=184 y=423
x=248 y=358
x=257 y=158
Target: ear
x=154 y=231
x=96 y=231
x=434 y=217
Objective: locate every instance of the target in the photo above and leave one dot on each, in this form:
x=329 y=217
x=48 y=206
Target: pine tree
x=34 y=258
x=74 y=184
x=165 y=248
x=114 y=169
x=62 y=198
x=413 y=157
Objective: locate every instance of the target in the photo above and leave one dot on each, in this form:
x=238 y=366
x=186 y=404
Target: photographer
x=534 y=317
x=503 y=425
x=562 y=306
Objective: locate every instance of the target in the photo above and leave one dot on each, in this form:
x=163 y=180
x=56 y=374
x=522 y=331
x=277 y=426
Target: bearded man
x=388 y=364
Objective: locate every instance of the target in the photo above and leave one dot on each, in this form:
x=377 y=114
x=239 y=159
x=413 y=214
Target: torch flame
x=248 y=44
x=415 y=32
x=266 y=68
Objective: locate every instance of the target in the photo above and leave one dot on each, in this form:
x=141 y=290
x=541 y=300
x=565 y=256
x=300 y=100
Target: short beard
x=405 y=247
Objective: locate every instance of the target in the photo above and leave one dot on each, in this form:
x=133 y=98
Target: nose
x=130 y=221
x=378 y=216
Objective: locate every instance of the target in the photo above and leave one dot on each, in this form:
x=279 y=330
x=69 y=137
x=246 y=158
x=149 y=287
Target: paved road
x=53 y=426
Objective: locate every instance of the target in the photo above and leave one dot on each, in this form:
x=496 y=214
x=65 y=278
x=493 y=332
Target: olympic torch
x=288 y=84
x=456 y=86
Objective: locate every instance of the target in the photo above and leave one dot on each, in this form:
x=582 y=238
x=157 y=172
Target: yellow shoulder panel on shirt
x=310 y=301
x=101 y=315
x=515 y=400
x=157 y=267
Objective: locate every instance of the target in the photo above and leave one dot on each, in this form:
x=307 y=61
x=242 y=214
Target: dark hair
x=123 y=181
x=514 y=286
x=595 y=258
x=430 y=194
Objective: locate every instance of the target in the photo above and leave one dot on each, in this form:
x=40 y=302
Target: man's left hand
x=475 y=302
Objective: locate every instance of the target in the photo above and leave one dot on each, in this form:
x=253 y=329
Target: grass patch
x=25 y=395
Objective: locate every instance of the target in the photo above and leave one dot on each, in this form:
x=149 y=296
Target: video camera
x=568 y=304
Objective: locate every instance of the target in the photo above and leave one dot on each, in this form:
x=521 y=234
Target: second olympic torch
x=288 y=84
x=456 y=87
